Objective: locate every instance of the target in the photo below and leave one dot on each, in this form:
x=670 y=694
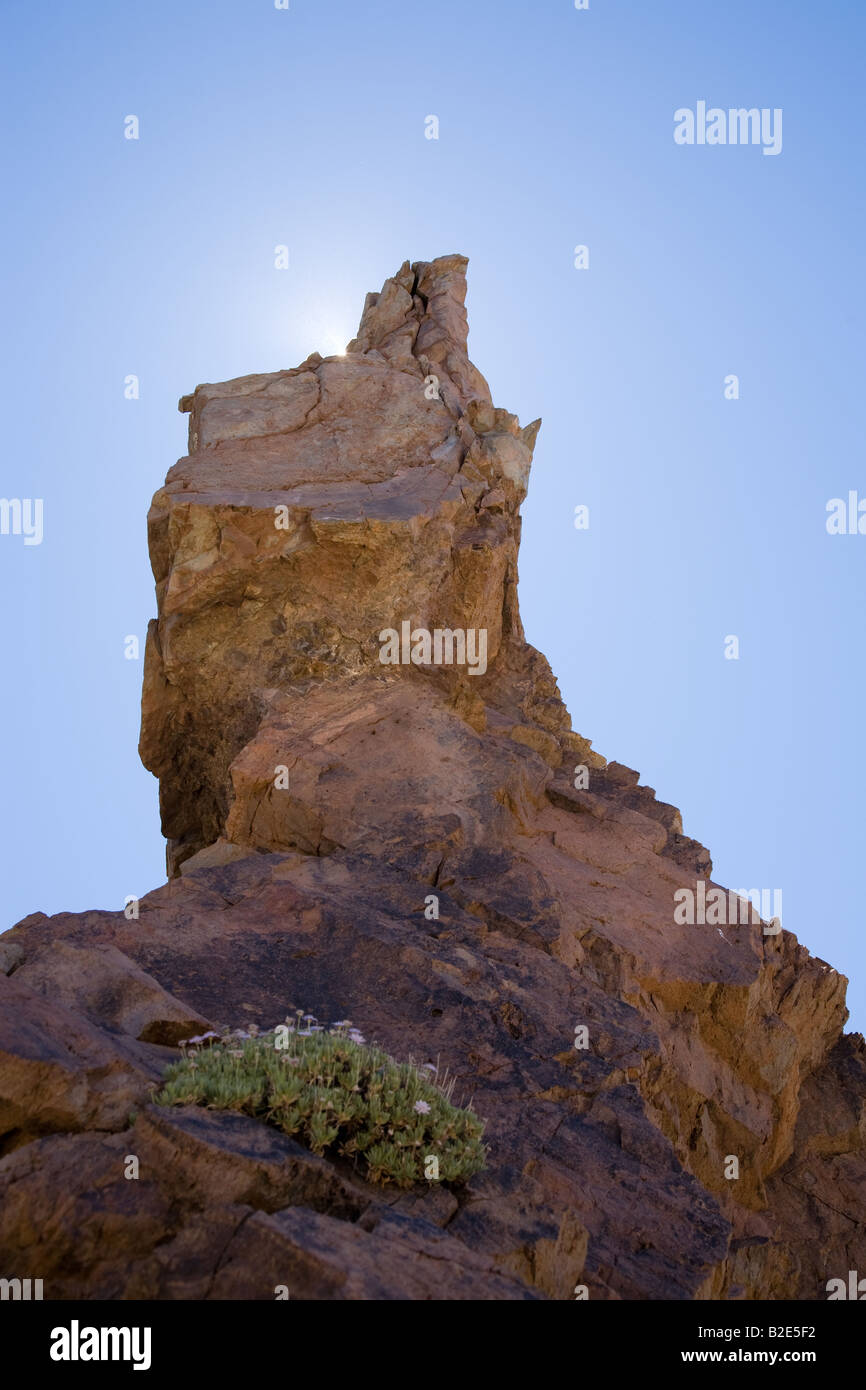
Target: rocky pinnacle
x=375 y=807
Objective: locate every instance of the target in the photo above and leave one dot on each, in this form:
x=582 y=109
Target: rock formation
x=411 y=844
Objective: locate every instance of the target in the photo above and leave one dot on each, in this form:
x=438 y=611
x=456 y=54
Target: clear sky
x=306 y=127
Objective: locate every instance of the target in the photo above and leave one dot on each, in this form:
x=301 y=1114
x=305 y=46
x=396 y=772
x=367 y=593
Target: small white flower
x=421 y=1107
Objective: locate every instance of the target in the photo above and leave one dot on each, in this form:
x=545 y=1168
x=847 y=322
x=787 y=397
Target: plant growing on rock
x=335 y=1093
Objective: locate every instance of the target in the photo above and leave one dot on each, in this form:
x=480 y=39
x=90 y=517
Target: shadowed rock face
x=320 y=808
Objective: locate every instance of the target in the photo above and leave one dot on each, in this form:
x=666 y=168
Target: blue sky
x=305 y=127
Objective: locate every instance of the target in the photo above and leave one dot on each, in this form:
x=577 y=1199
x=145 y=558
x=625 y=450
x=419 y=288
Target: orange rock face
x=359 y=825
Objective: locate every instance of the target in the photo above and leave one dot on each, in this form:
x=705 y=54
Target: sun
x=330 y=336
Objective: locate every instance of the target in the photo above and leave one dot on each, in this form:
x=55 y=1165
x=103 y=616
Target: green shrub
x=334 y=1093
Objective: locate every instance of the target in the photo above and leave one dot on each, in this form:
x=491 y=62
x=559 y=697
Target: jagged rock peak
x=420 y=314
x=319 y=506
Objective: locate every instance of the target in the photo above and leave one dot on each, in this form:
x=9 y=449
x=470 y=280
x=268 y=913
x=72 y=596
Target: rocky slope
x=411 y=845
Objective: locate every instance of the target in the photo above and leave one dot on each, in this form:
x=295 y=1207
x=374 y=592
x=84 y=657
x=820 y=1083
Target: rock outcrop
x=426 y=846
